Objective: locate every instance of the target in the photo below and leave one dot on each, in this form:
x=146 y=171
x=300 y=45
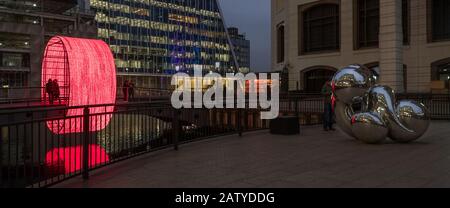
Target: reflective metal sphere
x=380 y=115
x=381 y=99
x=369 y=127
x=414 y=116
x=350 y=82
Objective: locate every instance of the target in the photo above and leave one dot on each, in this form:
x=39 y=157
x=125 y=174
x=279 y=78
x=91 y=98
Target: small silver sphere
x=414 y=116
x=352 y=81
x=369 y=128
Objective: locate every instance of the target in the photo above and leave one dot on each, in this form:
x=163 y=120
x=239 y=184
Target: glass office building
x=25 y=28
x=154 y=39
x=241 y=49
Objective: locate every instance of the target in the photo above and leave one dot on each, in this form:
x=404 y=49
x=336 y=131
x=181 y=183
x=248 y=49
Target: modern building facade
x=154 y=39
x=407 y=41
x=151 y=39
x=241 y=49
x=25 y=28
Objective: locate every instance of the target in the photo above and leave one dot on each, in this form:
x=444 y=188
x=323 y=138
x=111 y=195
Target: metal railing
x=31 y=96
x=36 y=151
x=437 y=104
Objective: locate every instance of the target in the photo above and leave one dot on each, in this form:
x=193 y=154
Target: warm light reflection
x=69 y=159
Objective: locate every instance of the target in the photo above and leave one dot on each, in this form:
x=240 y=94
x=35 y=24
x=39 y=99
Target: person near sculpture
x=327 y=92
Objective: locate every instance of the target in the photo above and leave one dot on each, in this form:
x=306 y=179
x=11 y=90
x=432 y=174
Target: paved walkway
x=314 y=159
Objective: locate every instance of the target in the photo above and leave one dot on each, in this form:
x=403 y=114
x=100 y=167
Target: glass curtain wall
x=154 y=39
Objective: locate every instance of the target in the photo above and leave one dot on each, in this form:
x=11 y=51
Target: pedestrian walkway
x=312 y=159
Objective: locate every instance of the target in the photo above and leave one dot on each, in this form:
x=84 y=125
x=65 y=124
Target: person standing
x=56 y=91
x=131 y=91
x=125 y=90
x=327 y=92
x=49 y=91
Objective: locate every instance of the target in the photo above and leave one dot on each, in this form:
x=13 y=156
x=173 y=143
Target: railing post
x=176 y=128
x=296 y=106
x=86 y=125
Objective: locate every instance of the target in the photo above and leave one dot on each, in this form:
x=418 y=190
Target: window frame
x=406 y=28
x=281 y=43
x=430 y=25
x=435 y=67
x=356 y=28
x=301 y=32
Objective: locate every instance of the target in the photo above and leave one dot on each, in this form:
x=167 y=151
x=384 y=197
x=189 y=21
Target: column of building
x=391 y=44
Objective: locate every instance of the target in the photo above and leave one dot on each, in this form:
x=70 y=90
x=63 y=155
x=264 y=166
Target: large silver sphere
x=414 y=116
x=351 y=82
x=369 y=128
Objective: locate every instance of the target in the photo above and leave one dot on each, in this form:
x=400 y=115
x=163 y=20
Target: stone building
x=407 y=41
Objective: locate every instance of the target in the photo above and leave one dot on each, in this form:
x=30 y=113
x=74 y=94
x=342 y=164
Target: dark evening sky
x=253 y=18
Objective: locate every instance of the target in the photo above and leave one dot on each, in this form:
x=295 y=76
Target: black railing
x=21 y=97
x=36 y=151
x=437 y=104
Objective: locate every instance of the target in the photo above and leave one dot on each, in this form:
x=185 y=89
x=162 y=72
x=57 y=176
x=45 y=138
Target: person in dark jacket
x=49 y=91
x=56 y=91
x=328 y=110
x=125 y=90
x=131 y=91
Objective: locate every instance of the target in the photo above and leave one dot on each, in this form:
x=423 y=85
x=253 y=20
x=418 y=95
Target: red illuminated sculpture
x=86 y=74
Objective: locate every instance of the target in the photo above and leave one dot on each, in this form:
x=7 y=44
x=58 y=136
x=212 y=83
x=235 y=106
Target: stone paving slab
x=313 y=159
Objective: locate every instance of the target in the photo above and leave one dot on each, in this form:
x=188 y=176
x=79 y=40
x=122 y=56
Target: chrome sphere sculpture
x=381 y=116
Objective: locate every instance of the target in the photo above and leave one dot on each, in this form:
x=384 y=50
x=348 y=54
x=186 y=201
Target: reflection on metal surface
x=369 y=127
x=381 y=115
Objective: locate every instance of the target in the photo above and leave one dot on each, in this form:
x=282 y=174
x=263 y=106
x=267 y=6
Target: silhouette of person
x=328 y=110
x=125 y=90
x=56 y=91
x=131 y=90
x=49 y=91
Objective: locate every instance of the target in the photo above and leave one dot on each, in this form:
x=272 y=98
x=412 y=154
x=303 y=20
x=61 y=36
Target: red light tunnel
x=86 y=74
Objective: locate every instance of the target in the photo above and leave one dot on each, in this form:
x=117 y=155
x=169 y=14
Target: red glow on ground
x=69 y=159
x=87 y=68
